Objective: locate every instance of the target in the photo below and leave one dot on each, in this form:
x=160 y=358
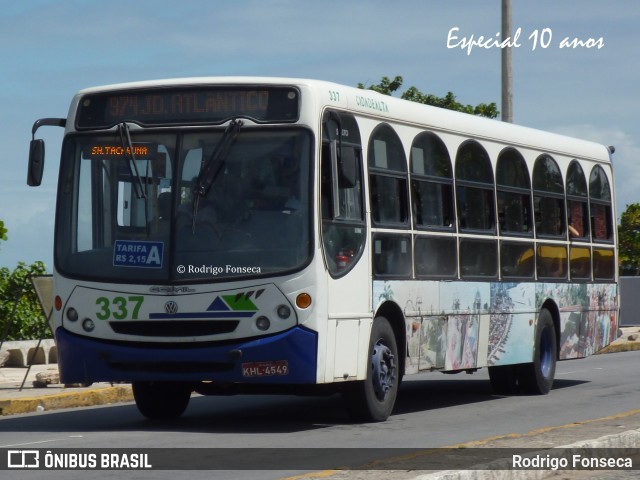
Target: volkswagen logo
x=171 y=307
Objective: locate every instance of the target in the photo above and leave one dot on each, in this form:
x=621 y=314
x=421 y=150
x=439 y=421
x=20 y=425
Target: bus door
x=344 y=235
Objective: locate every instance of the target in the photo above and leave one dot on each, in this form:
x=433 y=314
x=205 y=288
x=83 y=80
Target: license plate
x=265 y=369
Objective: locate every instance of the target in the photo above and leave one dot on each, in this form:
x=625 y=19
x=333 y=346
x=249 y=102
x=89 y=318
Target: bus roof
x=384 y=107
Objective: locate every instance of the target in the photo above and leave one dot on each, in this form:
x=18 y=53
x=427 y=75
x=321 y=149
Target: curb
x=627 y=346
x=85 y=398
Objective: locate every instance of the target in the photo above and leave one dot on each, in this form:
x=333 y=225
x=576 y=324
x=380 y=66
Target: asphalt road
x=433 y=410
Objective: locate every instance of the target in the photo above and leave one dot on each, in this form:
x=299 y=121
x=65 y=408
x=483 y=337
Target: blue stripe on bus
x=228 y=314
x=83 y=359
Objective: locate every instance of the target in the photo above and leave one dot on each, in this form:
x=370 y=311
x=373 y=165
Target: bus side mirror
x=36 y=150
x=36 y=163
x=348 y=168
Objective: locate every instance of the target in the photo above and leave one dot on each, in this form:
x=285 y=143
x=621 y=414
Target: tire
x=161 y=400
x=373 y=399
x=537 y=377
x=504 y=380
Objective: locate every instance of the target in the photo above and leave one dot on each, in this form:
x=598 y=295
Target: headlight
x=263 y=323
x=88 y=325
x=72 y=314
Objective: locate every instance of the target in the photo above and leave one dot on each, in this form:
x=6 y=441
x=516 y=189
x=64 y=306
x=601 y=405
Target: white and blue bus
x=239 y=235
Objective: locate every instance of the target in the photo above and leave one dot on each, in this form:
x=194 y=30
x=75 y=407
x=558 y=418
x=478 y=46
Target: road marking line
x=31 y=443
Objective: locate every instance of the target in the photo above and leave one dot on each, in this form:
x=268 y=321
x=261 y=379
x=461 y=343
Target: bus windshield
x=129 y=209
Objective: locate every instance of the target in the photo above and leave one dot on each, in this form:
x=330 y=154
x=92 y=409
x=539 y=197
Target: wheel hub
x=384 y=370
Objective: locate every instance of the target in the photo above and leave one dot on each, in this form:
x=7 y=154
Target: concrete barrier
x=23 y=352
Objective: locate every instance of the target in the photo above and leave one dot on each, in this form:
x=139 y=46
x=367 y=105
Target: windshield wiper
x=212 y=168
x=130 y=159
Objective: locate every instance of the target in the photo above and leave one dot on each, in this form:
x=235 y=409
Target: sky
x=50 y=49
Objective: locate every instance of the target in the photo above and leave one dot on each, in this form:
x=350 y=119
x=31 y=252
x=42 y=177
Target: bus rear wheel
x=537 y=377
x=161 y=400
x=373 y=399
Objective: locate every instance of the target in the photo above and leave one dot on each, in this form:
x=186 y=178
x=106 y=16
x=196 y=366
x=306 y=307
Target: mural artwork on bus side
x=463 y=325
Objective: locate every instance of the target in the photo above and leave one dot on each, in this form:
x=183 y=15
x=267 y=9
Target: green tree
x=389 y=87
x=629 y=240
x=21 y=316
x=3 y=231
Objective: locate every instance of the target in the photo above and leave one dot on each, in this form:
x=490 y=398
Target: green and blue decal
x=239 y=305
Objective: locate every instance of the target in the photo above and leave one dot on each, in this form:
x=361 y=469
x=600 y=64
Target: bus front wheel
x=372 y=400
x=161 y=400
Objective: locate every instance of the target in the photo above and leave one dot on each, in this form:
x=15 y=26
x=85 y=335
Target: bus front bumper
x=285 y=358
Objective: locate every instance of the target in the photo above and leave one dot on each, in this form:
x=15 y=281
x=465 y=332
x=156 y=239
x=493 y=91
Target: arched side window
x=515 y=218
x=578 y=222
x=388 y=178
x=577 y=202
x=476 y=211
x=548 y=198
x=514 y=194
x=433 y=207
x=600 y=200
x=600 y=203
x=549 y=214
x=474 y=189
x=431 y=183
x=392 y=254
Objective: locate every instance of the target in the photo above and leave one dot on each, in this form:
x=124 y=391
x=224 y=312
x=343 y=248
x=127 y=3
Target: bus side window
x=388 y=178
x=577 y=201
x=431 y=183
x=436 y=257
x=478 y=258
x=552 y=261
x=600 y=199
x=548 y=198
x=513 y=193
x=517 y=260
x=604 y=266
x=474 y=189
x=580 y=263
x=391 y=256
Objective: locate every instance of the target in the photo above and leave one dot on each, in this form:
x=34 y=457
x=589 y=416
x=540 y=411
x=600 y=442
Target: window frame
x=604 y=203
x=541 y=194
x=577 y=193
x=420 y=182
x=484 y=187
x=514 y=189
x=400 y=178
